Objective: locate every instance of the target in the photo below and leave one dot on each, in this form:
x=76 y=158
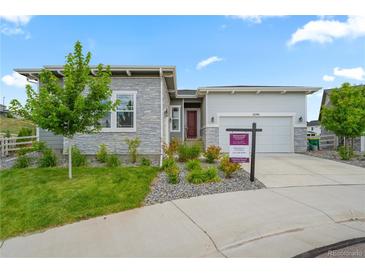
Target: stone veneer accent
x=148 y=127
x=300 y=139
x=210 y=136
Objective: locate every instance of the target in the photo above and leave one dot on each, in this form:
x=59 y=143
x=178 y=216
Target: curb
x=317 y=251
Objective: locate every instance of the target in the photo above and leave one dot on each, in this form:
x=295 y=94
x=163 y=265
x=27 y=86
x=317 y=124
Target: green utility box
x=313 y=143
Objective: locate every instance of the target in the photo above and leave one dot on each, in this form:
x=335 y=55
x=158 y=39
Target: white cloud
x=326 y=30
x=351 y=73
x=13 y=25
x=16 y=19
x=15 y=79
x=255 y=19
x=328 y=78
x=213 y=59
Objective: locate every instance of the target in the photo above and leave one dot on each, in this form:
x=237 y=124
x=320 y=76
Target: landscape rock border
x=163 y=191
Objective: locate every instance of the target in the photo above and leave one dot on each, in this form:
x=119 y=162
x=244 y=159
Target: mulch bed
x=162 y=190
x=358 y=160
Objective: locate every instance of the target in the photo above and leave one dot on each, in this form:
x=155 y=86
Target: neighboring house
x=3 y=110
x=158 y=111
x=314 y=127
x=359 y=142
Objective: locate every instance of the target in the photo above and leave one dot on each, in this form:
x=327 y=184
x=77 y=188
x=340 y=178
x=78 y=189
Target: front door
x=192 y=124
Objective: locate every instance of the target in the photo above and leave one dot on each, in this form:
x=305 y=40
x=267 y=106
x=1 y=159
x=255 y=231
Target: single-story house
x=3 y=110
x=314 y=127
x=358 y=143
x=158 y=111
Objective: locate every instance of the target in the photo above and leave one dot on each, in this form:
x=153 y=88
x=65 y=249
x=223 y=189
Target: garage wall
x=263 y=102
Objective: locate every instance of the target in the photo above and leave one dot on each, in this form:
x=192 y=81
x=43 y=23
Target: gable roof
x=313 y=123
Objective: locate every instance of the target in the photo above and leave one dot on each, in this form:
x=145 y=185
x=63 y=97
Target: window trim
x=179 y=107
x=113 y=119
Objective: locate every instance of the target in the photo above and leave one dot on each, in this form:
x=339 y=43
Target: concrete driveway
x=287 y=169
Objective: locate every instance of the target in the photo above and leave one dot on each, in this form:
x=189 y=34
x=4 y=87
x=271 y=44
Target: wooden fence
x=12 y=144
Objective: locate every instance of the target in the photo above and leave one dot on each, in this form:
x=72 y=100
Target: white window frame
x=179 y=107
x=113 y=119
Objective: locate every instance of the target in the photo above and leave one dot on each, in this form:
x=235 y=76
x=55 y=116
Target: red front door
x=192 y=124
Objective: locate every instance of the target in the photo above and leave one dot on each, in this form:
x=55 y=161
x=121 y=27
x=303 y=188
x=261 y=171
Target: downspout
x=183 y=120
x=161 y=104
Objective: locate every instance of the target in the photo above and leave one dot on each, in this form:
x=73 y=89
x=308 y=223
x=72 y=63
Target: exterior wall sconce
x=300 y=119
x=212 y=119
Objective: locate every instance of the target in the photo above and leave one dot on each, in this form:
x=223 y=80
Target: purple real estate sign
x=239 y=147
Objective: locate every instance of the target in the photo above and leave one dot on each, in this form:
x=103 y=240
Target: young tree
x=74 y=107
x=345 y=116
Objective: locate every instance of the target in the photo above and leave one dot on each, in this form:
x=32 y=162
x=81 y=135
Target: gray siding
x=178 y=135
x=148 y=123
x=53 y=141
x=300 y=139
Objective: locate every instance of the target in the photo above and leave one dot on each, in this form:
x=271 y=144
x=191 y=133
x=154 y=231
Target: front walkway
x=287 y=169
x=276 y=222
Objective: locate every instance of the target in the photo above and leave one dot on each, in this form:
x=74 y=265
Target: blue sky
x=288 y=50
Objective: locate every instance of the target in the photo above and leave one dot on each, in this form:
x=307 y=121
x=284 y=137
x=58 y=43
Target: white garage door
x=276 y=135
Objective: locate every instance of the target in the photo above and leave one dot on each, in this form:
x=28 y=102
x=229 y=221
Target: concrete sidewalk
x=278 y=222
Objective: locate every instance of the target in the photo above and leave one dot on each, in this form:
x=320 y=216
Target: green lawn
x=37 y=198
x=14 y=125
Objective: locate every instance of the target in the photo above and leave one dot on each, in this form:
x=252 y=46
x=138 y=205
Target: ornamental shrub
x=228 y=167
x=170 y=150
x=199 y=176
x=188 y=152
x=193 y=164
x=102 y=154
x=133 y=145
x=212 y=153
x=168 y=163
x=173 y=174
x=22 y=161
x=145 y=162
x=113 y=161
x=48 y=158
x=345 y=153
x=78 y=159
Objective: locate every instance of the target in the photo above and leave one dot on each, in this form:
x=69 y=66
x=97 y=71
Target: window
x=175 y=118
x=123 y=119
x=125 y=111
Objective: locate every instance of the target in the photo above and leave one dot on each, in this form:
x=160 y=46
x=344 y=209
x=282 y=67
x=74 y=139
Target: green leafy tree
x=345 y=116
x=74 y=107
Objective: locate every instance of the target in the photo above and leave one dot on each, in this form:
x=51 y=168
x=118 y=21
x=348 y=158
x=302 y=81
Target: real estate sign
x=239 y=147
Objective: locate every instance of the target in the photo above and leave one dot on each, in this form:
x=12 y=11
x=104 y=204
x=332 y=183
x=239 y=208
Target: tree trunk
x=70 y=158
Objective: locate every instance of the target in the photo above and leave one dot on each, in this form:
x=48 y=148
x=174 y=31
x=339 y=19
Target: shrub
x=77 y=158
x=168 y=163
x=188 y=152
x=228 y=167
x=102 y=153
x=112 y=161
x=7 y=134
x=170 y=150
x=39 y=146
x=145 y=162
x=24 y=132
x=199 y=176
x=212 y=153
x=173 y=174
x=345 y=153
x=48 y=159
x=22 y=161
x=133 y=145
x=193 y=164
x=24 y=150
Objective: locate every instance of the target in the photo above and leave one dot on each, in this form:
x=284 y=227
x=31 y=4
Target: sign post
x=239 y=147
